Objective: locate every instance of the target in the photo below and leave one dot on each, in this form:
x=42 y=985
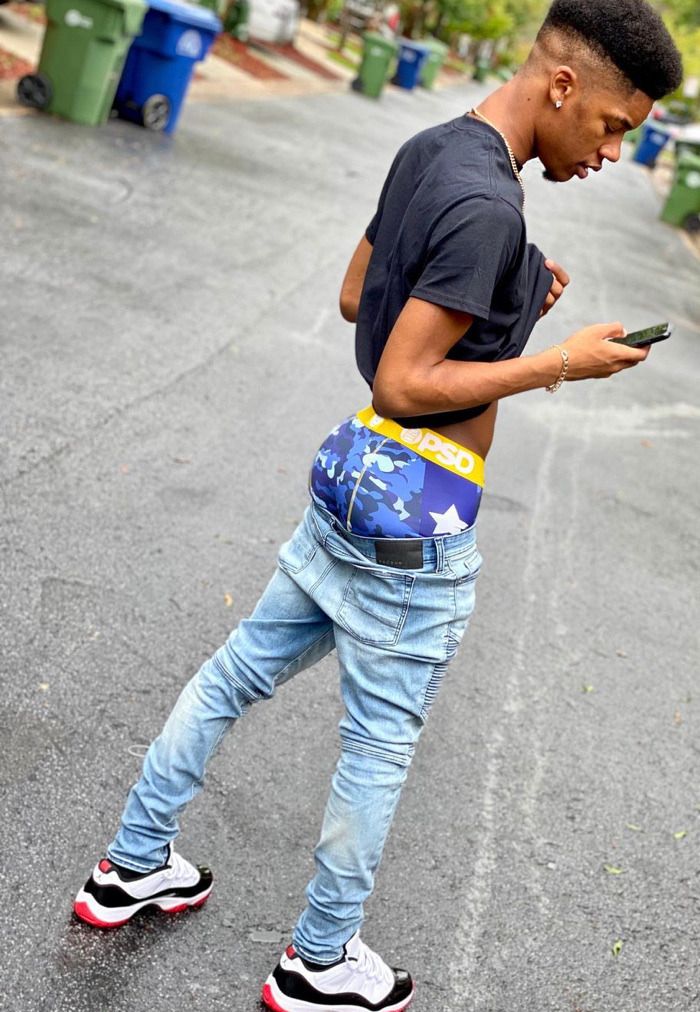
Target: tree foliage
x=683 y=20
x=481 y=19
x=683 y=13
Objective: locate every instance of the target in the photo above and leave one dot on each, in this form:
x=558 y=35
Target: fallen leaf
x=182 y=460
x=680 y=834
x=44 y=686
x=647 y=442
x=617 y=947
x=677 y=718
x=631 y=825
x=228 y=600
x=612 y=870
x=621 y=653
x=587 y=688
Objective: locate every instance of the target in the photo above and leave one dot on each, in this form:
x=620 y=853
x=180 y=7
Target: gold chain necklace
x=513 y=162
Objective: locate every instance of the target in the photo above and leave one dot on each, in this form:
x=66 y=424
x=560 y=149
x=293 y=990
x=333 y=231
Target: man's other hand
x=561 y=280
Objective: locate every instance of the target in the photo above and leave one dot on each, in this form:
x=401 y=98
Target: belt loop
x=333 y=528
x=439 y=554
x=322 y=536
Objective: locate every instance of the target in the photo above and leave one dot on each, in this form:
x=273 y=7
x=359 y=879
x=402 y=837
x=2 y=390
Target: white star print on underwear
x=448 y=522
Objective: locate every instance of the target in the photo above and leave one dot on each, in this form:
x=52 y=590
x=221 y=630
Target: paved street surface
x=171 y=356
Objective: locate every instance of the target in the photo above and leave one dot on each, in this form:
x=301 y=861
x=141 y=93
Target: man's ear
x=562 y=84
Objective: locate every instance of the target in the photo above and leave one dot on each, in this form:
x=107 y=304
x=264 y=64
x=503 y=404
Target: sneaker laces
x=370 y=964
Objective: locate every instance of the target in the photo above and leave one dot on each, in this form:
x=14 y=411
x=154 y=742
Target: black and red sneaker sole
x=273 y=1003
x=83 y=912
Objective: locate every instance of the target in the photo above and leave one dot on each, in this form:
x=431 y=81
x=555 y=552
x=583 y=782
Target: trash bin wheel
x=35 y=91
x=155 y=112
x=692 y=223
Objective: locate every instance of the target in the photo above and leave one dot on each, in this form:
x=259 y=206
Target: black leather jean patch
x=404 y=553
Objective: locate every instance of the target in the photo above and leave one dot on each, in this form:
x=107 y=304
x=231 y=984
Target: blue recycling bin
x=161 y=60
x=412 y=56
x=652 y=143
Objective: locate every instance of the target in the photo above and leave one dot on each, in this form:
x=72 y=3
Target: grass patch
x=351 y=45
x=457 y=65
x=344 y=61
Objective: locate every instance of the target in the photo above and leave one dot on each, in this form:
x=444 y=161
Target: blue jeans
x=394 y=630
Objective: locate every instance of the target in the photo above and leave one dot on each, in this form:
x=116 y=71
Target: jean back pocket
x=374 y=605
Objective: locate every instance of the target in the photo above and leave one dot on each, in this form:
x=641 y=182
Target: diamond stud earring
x=558 y=104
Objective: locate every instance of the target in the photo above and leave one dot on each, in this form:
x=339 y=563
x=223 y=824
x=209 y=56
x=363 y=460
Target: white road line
x=475 y=902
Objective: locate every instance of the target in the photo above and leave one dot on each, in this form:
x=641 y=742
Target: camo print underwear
x=383 y=481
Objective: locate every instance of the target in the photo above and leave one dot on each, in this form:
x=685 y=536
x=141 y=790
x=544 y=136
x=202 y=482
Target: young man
x=444 y=290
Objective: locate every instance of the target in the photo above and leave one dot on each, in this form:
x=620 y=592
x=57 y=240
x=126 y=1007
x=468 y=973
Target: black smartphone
x=641 y=338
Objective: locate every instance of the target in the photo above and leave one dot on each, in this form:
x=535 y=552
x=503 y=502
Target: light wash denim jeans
x=395 y=632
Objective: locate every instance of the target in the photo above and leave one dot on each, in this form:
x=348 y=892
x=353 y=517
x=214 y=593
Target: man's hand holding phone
x=646 y=337
x=596 y=352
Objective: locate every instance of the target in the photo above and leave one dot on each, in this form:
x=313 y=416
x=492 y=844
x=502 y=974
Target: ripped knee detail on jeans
x=248 y=691
x=383 y=752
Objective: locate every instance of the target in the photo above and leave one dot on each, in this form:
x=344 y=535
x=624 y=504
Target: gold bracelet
x=564 y=370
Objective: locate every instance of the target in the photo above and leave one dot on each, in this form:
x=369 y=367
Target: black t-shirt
x=449 y=229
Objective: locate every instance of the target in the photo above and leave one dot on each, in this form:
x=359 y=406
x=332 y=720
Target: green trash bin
x=437 y=54
x=236 y=18
x=682 y=207
x=82 y=57
x=378 y=55
x=687 y=147
x=481 y=70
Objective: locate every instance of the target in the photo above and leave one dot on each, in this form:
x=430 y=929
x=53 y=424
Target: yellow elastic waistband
x=431 y=445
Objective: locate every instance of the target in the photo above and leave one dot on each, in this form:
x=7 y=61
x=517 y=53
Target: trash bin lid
x=133 y=13
x=380 y=40
x=652 y=127
x=689 y=160
x=435 y=46
x=418 y=47
x=126 y=5
x=189 y=14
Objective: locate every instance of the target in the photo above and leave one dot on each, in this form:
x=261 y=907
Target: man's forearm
x=450 y=385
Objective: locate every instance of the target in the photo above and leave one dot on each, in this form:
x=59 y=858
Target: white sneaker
x=358 y=982
x=112 y=894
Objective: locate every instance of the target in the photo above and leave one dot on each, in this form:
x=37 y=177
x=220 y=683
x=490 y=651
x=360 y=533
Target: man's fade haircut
x=628 y=33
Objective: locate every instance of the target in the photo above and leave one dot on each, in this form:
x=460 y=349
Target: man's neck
x=512 y=110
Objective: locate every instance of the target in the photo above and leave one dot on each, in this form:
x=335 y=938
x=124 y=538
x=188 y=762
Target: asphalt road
x=170 y=357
